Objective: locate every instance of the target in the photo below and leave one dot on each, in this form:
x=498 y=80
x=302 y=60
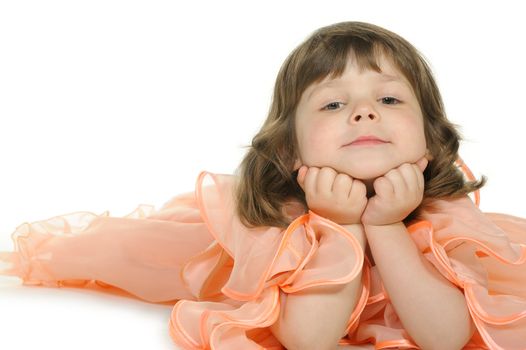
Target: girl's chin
x=367 y=175
x=372 y=171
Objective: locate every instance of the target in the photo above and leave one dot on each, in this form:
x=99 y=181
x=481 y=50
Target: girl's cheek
x=323 y=125
x=322 y=135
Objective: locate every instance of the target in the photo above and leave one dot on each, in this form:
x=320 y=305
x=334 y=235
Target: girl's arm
x=432 y=310
x=316 y=318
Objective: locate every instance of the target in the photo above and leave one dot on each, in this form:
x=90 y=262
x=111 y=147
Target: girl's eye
x=331 y=105
x=390 y=100
x=386 y=100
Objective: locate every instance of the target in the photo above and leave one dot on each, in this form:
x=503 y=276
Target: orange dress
x=225 y=279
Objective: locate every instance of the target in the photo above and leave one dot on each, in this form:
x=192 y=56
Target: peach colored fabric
x=225 y=279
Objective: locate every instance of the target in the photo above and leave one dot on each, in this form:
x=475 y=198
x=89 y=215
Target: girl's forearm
x=432 y=310
x=316 y=318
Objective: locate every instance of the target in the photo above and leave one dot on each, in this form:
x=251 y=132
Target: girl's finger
x=342 y=184
x=309 y=185
x=358 y=190
x=397 y=181
x=422 y=163
x=407 y=171
x=301 y=176
x=383 y=187
x=419 y=178
x=325 y=180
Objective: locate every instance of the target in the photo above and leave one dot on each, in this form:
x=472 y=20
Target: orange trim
x=467 y=171
x=484 y=334
x=178 y=334
x=178 y=331
x=418 y=225
x=205 y=336
x=443 y=261
x=264 y=320
x=314 y=246
x=482 y=314
x=382 y=344
x=284 y=241
x=424 y=224
x=354 y=242
x=202 y=211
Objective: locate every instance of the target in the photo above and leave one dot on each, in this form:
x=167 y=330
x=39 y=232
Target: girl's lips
x=366 y=141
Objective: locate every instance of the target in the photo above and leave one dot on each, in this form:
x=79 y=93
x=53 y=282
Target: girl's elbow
x=464 y=336
x=445 y=344
x=463 y=331
x=456 y=339
x=292 y=339
x=315 y=345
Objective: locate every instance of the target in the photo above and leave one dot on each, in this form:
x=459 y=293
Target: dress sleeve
x=237 y=281
x=484 y=255
x=225 y=277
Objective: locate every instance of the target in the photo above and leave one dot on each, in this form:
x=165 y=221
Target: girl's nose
x=358 y=117
x=364 y=114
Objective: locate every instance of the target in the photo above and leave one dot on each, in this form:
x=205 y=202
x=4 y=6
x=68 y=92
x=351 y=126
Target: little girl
x=348 y=225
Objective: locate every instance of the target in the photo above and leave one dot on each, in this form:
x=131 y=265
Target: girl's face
x=333 y=115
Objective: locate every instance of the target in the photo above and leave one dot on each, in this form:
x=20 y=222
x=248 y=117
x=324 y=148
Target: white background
x=107 y=104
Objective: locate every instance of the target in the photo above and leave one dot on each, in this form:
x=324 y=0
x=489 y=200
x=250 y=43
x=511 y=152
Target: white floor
x=73 y=318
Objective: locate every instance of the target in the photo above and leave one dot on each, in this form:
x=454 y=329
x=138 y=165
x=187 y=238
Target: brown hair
x=267 y=179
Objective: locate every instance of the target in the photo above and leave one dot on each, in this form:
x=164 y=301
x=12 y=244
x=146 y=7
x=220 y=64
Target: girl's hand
x=398 y=193
x=335 y=196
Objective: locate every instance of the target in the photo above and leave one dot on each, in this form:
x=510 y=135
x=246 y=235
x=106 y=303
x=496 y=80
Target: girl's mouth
x=368 y=140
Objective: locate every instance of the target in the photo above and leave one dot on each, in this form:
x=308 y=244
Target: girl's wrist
x=380 y=227
x=357 y=226
x=357 y=230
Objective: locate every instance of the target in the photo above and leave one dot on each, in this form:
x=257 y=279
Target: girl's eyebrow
x=322 y=86
x=383 y=77
x=389 y=77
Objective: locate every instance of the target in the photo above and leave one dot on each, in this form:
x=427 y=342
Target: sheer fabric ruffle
x=226 y=279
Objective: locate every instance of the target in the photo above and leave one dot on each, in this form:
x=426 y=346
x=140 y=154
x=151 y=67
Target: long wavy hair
x=266 y=178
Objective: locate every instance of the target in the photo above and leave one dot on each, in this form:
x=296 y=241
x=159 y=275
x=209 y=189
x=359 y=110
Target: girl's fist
x=397 y=194
x=335 y=196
